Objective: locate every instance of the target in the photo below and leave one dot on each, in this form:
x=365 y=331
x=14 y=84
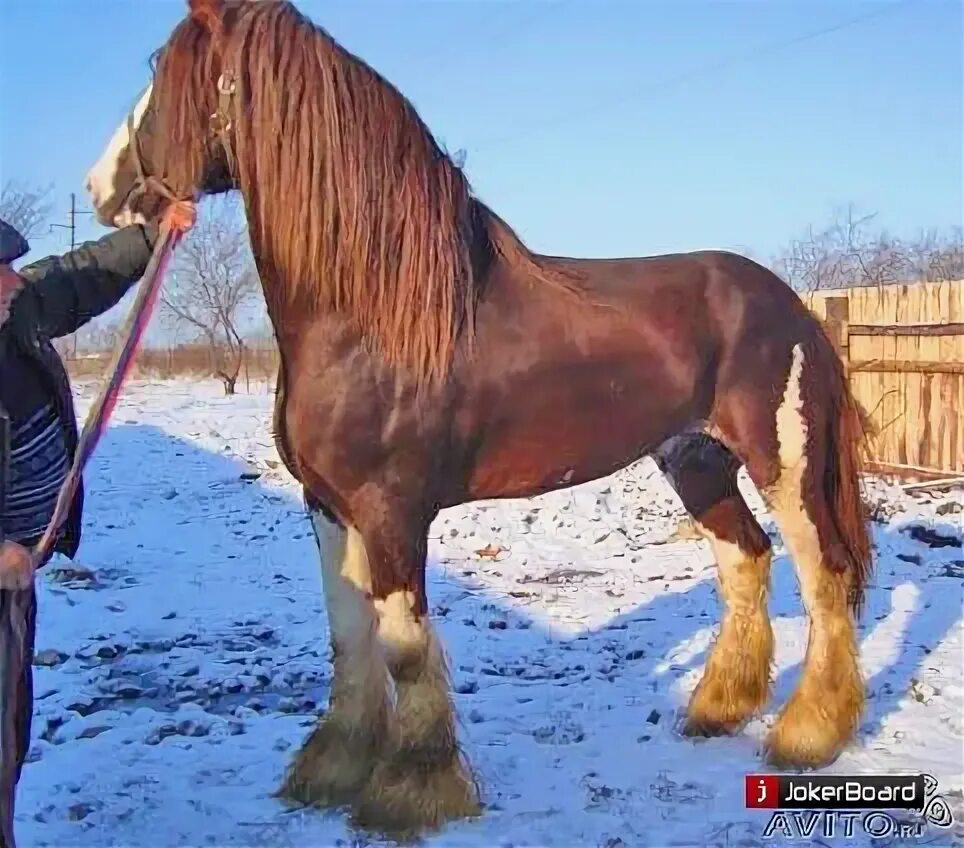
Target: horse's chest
x=343 y=435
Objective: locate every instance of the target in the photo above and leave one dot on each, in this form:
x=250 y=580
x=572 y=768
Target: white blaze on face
x=107 y=185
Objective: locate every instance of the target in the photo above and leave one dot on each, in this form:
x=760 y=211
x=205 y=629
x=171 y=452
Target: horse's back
x=699 y=295
x=645 y=279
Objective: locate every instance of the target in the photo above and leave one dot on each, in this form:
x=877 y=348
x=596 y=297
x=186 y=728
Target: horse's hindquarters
x=800 y=449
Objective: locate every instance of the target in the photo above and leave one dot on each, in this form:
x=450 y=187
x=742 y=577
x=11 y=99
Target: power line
x=686 y=76
x=515 y=25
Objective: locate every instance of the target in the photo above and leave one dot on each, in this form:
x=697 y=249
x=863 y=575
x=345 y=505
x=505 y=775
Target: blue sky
x=595 y=127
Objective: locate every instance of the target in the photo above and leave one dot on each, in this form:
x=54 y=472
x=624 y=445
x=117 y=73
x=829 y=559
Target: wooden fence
x=904 y=348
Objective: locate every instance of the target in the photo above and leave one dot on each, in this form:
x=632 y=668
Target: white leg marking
x=104 y=178
x=736 y=680
x=347 y=584
x=339 y=756
x=743 y=582
x=791 y=426
x=799 y=532
x=400 y=632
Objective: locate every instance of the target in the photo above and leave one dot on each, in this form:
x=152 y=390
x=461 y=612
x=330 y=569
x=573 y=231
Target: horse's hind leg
x=736 y=681
x=422 y=780
x=339 y=756
x=806 y=469
x=824 y=710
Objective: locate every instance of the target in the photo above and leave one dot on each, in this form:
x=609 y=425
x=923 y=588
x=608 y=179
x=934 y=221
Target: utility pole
x=72 y=226
x=72 y=219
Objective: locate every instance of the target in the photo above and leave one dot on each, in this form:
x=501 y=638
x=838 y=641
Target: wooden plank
x=857 y=381
x=867 y=387
x=815 y=303
x=922 y=423
x=902 y=351
x=836 y=322
x=905 y=347
x=874 y=347
x=883 y=398
x=941 y=483
x=905 y=366
x=957 y=314
x=930 y=329
x=913 y=426
x=954 y=384
x=948 y=412
x=908 y=469
x=931 y=347
x=893 y=411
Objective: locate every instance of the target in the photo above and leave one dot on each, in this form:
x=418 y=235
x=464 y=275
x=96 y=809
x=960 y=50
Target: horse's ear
x=207 y=13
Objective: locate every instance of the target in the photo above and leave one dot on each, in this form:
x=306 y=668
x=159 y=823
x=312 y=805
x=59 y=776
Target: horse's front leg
x=340 y=754
x=421 y=781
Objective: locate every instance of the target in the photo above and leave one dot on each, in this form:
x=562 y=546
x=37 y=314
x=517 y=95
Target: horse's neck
x=282 y=314
x=292 y=322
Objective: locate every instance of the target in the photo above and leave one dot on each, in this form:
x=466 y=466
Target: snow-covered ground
x=184 y=655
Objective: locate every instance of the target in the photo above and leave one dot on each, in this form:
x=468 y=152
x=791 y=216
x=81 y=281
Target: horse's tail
x=836 y=472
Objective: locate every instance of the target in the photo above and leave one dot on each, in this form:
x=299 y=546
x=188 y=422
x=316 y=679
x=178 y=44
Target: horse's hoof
x=704 y=727
x=808 y=735
x=716 y=709
x=403 y=800
x=331 y=768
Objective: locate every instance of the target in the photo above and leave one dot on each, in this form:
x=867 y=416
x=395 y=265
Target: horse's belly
x=568 y=432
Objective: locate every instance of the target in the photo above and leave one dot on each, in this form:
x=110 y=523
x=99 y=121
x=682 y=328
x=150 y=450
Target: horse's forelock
x=207 y=13
x=184 y=83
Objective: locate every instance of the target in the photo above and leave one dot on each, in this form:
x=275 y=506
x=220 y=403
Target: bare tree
x=851 y=252
x=27 y=209
x=213 y=281
x=98 y=336
x=937 y=257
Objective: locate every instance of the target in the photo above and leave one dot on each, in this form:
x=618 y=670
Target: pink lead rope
x=120 y=367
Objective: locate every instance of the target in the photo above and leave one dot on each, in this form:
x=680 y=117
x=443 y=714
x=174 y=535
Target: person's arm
x=65 y=292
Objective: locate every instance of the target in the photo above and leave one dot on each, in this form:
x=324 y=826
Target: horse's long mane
x=352 y=204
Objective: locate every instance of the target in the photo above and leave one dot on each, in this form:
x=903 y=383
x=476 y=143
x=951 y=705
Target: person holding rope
x=38 y=438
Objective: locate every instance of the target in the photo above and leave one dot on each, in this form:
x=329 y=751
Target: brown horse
x=429 y=359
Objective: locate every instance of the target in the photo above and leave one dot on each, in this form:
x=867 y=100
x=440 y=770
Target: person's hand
x=180 y=215
x=17 y=566
x=10 y=284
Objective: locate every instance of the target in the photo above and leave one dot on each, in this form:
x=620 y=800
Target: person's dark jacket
x=62 y=293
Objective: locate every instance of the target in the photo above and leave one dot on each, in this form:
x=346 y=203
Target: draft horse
x=429 y=359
